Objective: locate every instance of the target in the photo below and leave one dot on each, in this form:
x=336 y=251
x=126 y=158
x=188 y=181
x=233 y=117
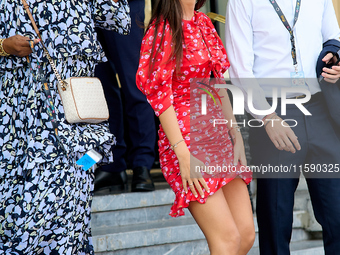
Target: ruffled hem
x=182 y=200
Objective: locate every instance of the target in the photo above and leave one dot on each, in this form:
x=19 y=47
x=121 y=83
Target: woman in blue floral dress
x=45 y=198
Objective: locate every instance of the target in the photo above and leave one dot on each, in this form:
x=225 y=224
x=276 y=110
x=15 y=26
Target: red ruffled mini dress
x=165 y=87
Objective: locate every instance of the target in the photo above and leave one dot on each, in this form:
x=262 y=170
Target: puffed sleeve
x=157 y=86
x=216 y=47
x=112 y=15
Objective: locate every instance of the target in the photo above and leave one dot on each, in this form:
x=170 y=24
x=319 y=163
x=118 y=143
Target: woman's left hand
x=239 y=151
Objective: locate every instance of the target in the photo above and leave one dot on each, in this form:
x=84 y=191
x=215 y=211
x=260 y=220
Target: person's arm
x=330 y=30
x=112 y=15
x=18 y=45
x=239 y=42
x=331 y=75
x=157 y=86
x=186 y=161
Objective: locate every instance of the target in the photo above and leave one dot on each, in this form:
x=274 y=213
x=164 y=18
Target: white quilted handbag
x=83 y=100
x=82 y=97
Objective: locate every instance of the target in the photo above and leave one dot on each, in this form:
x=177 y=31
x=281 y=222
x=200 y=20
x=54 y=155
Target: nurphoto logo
x=240 y=102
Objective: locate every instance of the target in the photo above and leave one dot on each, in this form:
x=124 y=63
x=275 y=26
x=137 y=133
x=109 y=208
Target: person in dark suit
x=276 y=44
x=131 y=117
x=330 y=89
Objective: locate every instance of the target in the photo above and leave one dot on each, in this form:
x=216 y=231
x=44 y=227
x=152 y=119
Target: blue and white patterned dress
x=45 y=198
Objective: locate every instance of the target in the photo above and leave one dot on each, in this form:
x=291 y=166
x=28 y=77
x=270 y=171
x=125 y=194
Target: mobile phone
x=333 y=64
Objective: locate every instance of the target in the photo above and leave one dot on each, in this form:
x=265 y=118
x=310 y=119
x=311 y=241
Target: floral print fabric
x=67 y=27
x=165 y=87
x=45 y=197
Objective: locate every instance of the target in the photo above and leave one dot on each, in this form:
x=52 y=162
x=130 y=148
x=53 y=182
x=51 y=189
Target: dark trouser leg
x=112 y=177
x=325 y=196
x=124 y=52
x=325 y=193
x=105 y=73
x=275 y=195
x=275 y=201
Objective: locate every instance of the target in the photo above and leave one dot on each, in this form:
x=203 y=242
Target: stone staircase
x=138 y=223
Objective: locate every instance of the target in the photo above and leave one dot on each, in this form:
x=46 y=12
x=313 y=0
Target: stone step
x=160 y=213
x=138 y=208
x=310 y=247
x=138 y=223
x=165 y=196
x=147 y=234
x=181 y=245
x=133 y=216
x=311 y=251
x=168 y=232
x=132 y=200
x=199 y=247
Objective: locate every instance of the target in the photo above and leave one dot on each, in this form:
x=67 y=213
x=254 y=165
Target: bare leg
x=237 y=196
x=216 y=221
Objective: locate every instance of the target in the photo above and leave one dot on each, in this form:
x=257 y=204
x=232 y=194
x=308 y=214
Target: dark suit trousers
x=275 y=196
x=131 y=116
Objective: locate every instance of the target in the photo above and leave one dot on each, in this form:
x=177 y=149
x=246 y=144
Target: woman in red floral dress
x=174 y=52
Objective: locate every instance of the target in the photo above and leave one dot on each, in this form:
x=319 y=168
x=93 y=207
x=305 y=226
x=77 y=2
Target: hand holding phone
x=330 y=64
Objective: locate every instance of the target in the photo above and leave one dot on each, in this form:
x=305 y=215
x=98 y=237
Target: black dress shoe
x=110 y=182
x=141 y=180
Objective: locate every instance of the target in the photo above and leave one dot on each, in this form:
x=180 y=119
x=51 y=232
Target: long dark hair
x=169 y=11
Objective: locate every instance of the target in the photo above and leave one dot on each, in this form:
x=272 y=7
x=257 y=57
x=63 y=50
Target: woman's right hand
x=187 y=166
x=18 y=45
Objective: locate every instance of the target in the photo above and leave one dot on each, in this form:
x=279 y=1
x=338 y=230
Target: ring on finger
x=191 y=184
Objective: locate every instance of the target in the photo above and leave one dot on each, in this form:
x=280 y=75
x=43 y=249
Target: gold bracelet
x=3 y=53
x=175 y=145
